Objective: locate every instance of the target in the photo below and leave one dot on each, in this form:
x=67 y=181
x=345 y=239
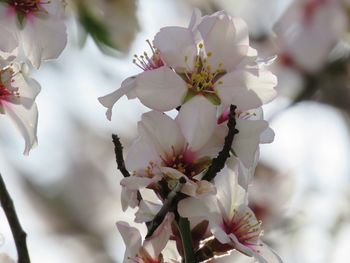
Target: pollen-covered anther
x=146 y=62
x=203 y=78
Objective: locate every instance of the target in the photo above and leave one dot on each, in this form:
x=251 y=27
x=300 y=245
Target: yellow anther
x=209 y=54
x=200 y=45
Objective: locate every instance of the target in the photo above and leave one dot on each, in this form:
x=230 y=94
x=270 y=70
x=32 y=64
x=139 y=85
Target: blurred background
x=67 y=191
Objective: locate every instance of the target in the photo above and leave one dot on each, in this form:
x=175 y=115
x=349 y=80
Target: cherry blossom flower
x=253 y=131
x=220 y=67
x=34 y=29
x=17 y=100
x=150 y=250
x=308 y=31
x=169 y=149
x=231 y=221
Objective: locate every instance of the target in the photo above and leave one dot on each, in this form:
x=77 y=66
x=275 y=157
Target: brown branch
x=118 y=150
x=219 y=162
x=171 y=201
x=18 y=233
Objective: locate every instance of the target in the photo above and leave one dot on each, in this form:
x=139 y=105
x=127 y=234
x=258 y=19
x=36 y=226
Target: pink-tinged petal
x=197 y=120
x=157 y=242
x=43 y=39
x=128 y=198
x=26 y=121
x=177 y=47
x=147 y=211
x=226 y=38
x=247 y=141
x=247 y=89
x=132 y=240
x=109 y=100
x=162 y=132
x=160 y=89
x=136 y=182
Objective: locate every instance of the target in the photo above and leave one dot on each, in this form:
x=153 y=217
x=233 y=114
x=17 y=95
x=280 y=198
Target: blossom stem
x=168 y=204
x=118 y=150
x=185 y=232
x=18 y=233
x=219 y=162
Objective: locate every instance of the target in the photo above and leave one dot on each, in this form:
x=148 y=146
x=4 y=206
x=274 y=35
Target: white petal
x=268 y=254
x=160 y=89
x=136 y=182
x=246 y=142
x=215 y=144
x=197 y=119
x=177 y=47
x=198 y=208
x=132 y=239
x=109 y=100
x=128 y=198
x=8 y=41
x=43 y=39
x=226 y=37
x=247 y=89
x=162 y=132
x=26 y=121
x=147 y=211
x=230 y=195
x=28 y=88
x=267 y=136
x=140 y=154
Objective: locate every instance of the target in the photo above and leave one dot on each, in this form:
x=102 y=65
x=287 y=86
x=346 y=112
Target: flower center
x=185 y=162
x=310 y=9
x=202 y=78
x=28 y=6
x=245 y=227
x=146 y=62
x=7 y=92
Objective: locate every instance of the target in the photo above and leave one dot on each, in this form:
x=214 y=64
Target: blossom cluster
x=31 y=31
x=201 y=162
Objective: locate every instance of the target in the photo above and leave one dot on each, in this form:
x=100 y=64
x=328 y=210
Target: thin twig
x=18 y=233
x=118 y=150
x=219 y=162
